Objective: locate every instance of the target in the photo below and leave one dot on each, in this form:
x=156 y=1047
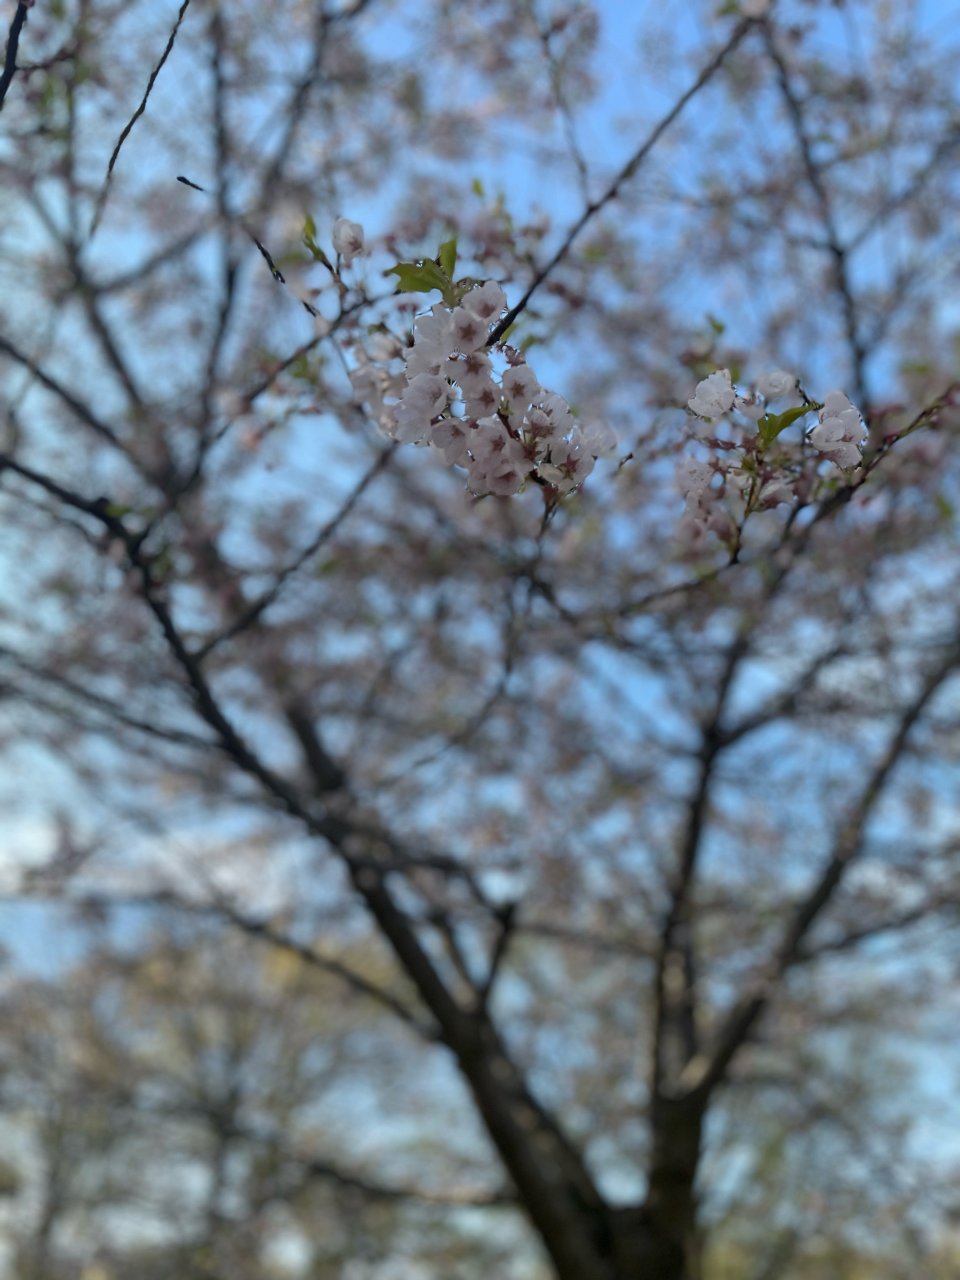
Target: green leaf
x=447 y=257
x=419 y=277
x=476 y=186
x=771 y=424
x=944 y=508
x=310 y=241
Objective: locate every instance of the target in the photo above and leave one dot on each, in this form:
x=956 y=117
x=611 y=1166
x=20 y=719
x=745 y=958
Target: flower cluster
x=744 y=472
x=837 y=437
x=504 y=428
x=716 y=395
x=839 y=434
x=705 y=511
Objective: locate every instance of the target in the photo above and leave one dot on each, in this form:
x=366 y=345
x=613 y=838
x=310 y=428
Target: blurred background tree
x=442 y=887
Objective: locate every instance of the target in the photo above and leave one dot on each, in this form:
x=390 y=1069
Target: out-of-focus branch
x=229 y=265
x=78 y=407
x=545 y=33
x=113 y=710
x=623 y=176
x=675 y=1040
x=263 y=929
x=839 y=252
x=263 y=602
x=506 y=920
x=706 y=1071
x=305 y=1169
x=550 y=1173
x=922 y=913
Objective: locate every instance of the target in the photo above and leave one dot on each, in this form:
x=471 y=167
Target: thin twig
x=506 y=922
x=106 y=706
x=839 y=252
x=267 y=598
x=624 y=175
x=267 y=932
x=706 y=1071
x=77 y=406
x=562 y=103
x=125 y=131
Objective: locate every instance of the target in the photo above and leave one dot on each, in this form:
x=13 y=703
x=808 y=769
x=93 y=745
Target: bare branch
x=125 y=131
x=623 y=176
x=263 y=602
x=839 y=253
x=13 y=40
x=705 y=1072
x=78 y=407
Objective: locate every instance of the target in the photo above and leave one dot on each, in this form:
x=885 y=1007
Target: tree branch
x=704 y=1073
x=13 y=40
x=141 y=108
x=838 y=251
x=623 y=176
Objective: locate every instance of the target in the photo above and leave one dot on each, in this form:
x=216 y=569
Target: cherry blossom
x=520 y=386
x=750 y=406
x=704 y=512
x=488 y=302
x=840 y=432
x=347 y=239
x=777 y=383
x=506 y=430
x=775 y=491
x=714 y=396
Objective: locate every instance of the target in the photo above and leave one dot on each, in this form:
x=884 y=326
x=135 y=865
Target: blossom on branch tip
x=714 y=396
x=693 y=478
x=600 y=440
x=488 y=302
x=750 y=407
x=839 y=434
x=424 y=397
x=347 y=239
x=520 y=386
x=499 y=465
x=777 y=383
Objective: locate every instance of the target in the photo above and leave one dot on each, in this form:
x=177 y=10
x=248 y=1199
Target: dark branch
x=622 y=177
x=13 y=40
x=705 y=1073
x=141 y=108
x=839 y=253
x=263 y=602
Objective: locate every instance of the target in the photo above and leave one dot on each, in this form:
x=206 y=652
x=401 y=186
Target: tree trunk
x=660 y=1239
x=644 y=1250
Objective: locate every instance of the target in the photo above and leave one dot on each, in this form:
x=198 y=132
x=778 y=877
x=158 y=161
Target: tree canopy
x=479 y=638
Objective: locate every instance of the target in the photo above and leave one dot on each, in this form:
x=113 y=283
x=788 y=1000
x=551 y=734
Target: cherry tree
x=479 y=522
